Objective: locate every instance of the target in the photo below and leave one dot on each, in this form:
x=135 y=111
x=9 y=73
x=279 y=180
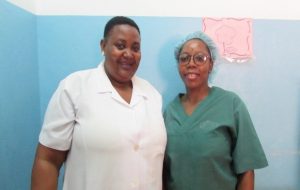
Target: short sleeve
x=57 y=129
x=248 y=153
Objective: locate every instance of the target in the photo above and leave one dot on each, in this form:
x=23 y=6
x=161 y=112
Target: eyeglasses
x=199 y=59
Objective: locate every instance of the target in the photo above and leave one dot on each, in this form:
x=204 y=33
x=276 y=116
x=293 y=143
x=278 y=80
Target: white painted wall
x=29 y=5
x=257 y=9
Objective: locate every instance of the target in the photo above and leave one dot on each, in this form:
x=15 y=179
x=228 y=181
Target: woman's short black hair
x=118 y=20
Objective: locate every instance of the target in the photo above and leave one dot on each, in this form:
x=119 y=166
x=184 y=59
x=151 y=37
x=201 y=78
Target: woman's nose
x=127 y=53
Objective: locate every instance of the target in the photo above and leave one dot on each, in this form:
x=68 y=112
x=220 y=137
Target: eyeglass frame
x=206 y=58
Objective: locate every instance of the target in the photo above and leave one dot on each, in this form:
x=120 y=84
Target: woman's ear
x=211 y=65
x=102 y=45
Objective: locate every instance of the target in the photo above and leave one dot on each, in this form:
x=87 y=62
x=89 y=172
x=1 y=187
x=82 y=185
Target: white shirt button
x=134 y=184
x=136 y=147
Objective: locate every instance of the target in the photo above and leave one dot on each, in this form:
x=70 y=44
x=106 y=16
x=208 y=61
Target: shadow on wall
x=168 y=70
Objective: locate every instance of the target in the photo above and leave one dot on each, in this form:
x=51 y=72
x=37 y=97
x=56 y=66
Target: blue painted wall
x=269 y=83
x=19 y=96
x=69 y=43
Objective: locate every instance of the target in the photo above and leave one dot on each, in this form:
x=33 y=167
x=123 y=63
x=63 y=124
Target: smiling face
x=195 y=76
x=122 y=53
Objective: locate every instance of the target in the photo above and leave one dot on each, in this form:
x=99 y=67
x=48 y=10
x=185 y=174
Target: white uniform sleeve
x=59 y=120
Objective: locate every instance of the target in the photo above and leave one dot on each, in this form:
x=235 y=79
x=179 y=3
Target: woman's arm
x=246 y=181
x=46 y=168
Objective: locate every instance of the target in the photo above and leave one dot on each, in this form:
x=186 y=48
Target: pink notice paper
x=232 y=36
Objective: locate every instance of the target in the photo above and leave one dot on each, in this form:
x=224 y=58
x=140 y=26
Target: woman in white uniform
x=105 y=123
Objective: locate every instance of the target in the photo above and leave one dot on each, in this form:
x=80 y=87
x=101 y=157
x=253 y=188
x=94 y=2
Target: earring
x=102 y=53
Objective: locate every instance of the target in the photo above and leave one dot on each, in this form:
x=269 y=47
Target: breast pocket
x=212 y=139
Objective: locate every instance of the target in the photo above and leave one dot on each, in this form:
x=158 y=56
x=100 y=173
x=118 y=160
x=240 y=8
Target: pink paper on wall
x=232 y=36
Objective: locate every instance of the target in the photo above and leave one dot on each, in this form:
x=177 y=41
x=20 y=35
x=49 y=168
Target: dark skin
x=195 y=78
x=122 y=52
x=122 y=56
x=246 y=181
x=46 y=168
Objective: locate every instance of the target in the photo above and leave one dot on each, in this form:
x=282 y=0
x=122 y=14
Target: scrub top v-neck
x=210 y=147
x=189 y=119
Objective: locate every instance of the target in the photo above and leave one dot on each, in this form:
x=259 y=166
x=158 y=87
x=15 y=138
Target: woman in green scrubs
x=212 y=143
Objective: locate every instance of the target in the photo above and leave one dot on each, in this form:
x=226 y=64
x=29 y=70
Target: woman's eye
x=200 y=58
x=120 y=46
x=136 y=48
x=183 y=58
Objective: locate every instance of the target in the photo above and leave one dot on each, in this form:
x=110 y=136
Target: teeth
x=191 y=76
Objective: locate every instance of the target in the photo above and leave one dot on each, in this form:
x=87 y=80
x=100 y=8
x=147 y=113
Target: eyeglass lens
x=197 y=58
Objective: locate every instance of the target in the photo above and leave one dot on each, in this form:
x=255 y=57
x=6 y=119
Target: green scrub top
x=209 y=148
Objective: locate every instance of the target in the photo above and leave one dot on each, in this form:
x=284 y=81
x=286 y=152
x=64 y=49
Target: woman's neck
x=121 y=85
x=124 y=90
x=194 y=96
x=192 y=99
